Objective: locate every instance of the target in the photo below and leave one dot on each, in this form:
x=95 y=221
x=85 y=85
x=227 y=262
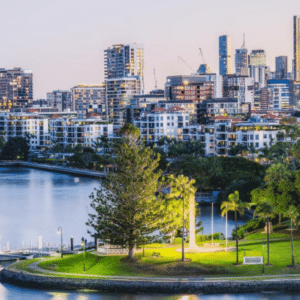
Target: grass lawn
x=200 y=264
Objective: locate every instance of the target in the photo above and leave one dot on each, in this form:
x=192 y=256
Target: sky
x=63 y=41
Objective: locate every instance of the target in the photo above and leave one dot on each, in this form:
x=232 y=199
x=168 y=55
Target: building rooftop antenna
x=244 y=43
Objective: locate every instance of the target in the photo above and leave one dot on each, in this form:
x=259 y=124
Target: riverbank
x=54 y=168
x=148 y=285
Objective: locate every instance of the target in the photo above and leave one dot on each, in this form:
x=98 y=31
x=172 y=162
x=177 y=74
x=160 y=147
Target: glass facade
x=225 y=65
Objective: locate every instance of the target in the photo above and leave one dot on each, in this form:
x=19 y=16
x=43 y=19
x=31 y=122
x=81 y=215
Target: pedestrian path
x=34 y=267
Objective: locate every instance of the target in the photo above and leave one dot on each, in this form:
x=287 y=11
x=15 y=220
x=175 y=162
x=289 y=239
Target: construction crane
x=202 y=55
x=186 y=63
x=155 y=79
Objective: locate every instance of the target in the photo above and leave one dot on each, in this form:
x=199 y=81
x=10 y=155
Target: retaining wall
x=188 y=285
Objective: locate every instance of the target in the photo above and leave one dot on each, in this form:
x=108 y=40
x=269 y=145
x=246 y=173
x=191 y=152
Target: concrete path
x=34 y=267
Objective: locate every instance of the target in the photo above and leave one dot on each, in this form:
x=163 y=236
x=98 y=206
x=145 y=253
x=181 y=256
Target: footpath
x=37 y=277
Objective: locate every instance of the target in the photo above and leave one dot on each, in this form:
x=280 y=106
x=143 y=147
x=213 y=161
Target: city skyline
x=63 y=42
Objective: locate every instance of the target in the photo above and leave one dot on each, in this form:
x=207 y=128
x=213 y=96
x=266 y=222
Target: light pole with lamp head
x=59 y=231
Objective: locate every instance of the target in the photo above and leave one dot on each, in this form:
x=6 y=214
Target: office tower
x=258 y=58
x=124 y=78
x=241 y=61
x=281 y=64
x=264 y=98
x=15 y=88
x=296 y=61
x=87 y=99
x=225 y=55
x=204 y=69
x=60 y=99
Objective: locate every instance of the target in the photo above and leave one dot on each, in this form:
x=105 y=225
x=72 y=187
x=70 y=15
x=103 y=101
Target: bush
x=217 y=236
x=201 y=238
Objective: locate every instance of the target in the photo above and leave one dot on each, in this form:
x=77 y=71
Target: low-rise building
x=76 y=131
x=32 y=126
x=161 y=122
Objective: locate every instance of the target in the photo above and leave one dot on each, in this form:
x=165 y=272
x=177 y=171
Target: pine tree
x=126 y=207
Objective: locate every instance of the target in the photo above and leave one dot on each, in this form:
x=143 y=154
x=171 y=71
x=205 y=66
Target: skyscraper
x=15 y=88
x=241 y=61
x=296 y=62
x=258 y=58
x=124 y=78
x=225 y=66
x=281 y=63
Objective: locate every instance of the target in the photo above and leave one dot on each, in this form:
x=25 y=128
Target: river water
x=35 y=202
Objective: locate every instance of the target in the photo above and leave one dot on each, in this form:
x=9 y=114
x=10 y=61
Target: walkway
x=34 y=267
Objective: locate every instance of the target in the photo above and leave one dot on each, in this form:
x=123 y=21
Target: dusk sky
x=62 y=41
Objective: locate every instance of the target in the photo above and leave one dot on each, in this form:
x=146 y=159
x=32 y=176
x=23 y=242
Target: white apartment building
x=33 y=126
x=76 y=131
x=161 y=122
x=59 y=99
x=219 y=137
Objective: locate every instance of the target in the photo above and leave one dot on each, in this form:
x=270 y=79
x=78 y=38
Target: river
x=35 y=202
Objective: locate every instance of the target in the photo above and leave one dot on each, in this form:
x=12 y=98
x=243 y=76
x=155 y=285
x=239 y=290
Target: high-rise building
x=86 y=99
x=124 y=78
x=15 y=88
x=280 y=94
x=241 y=61
x=281 y=63
x=240 y=88
x=258 y=58
x=225 y=65
x=296 y=61
x=60 y=99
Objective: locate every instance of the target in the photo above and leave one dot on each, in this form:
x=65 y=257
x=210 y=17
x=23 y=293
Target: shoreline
x=150 y=285
x=53 y=168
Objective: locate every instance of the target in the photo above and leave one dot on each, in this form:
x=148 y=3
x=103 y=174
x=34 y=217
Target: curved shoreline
x=148 y=285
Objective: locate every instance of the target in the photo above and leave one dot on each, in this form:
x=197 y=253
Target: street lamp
x=59 y=231
x=83 y=248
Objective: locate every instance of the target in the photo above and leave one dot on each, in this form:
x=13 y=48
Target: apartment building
x=33 y=126
x=87 y=99
x=162 y=122
x=60 y=100
x=76 y=131
x=15 y=88
x=226 y=132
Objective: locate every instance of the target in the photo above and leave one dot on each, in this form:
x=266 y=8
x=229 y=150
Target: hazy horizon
x=63 y=41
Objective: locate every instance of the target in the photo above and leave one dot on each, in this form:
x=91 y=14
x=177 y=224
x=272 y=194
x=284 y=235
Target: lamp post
x=59 y=231
x=183 y=226
x=83 y=247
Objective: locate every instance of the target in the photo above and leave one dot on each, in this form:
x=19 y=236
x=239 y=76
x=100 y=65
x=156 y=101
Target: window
x=168 y=124
x=168 y=118
x=257 y=137
x=161 y=124
x=251 y=136
x=270 y=136
x=186 y=117
x=172 y=124
x=256 y=145
x=161 y=118
x=265 y=136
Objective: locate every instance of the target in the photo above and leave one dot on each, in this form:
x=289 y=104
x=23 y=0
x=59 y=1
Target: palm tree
x=235 y=204
x=265 y=210
x=293 y=214
x=183 y=188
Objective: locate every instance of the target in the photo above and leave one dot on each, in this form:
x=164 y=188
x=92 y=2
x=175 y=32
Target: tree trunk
x=192 y=239
x=292 y=241
x=279 y=218
x=268 y=240
x=131 y=252
x=236 y=238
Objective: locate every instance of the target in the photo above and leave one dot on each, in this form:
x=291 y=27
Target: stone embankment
x=151 y=285
x=53 y=168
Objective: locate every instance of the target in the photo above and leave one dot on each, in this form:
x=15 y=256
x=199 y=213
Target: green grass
x=94 y=265
x=263 y=236
x=201 y=264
